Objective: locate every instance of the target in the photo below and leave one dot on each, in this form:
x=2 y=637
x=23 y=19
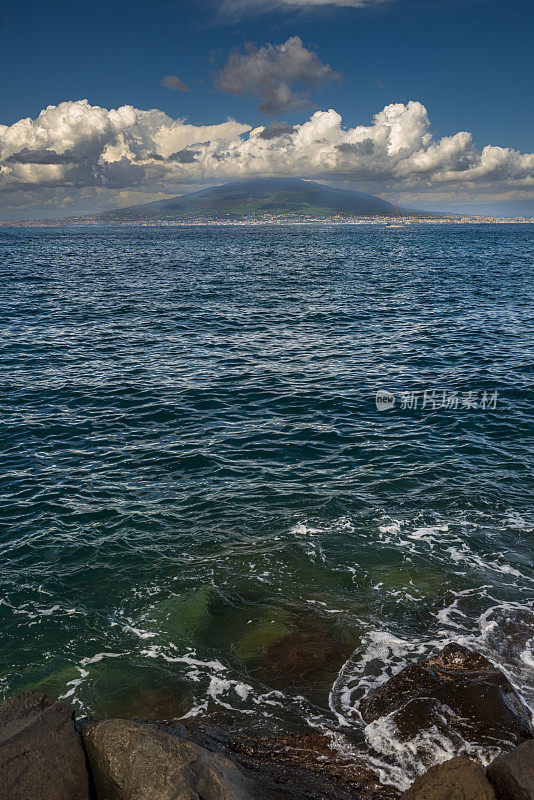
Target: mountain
x=257 y=198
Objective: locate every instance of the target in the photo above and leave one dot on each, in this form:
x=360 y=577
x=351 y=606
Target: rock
x=140 y=760
x=262 y=634
x=457 y=779
x=460 y=693
x=292 y=767
x=312 y=753
x=306 y=662
x=41 y=754
x=188 y=614
x=512 y=774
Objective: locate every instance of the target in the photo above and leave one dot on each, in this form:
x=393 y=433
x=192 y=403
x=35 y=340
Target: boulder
x=140 y=760
x=41 y=753
x=457 y=691
x=512 y=774
x=457 y=779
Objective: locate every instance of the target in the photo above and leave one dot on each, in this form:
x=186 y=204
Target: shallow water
x=194 y=465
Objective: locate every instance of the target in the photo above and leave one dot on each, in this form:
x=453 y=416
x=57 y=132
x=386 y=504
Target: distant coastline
x=251 y=222
x=271 y=201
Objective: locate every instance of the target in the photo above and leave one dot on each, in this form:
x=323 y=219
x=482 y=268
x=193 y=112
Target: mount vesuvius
x=257 y=198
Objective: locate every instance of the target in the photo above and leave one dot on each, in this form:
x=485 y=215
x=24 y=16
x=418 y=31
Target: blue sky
x=468 y=63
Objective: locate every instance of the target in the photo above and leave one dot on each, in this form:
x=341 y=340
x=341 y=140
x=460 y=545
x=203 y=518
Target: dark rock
x=41 y=754
x=458 y=691
x=512 y=774
x=305 y=662
x=313 y=753
x=140 y=760
x=300 y=766
x=457 y=779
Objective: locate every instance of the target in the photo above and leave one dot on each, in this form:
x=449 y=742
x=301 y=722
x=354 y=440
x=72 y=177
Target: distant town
x=276 y=219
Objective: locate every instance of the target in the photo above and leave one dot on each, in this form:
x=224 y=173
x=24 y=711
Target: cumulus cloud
x=174 y=82
x=276 y=74
x=84 y=155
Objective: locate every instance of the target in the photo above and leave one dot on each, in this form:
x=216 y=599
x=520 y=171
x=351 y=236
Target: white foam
x=514 y=520
x=130 y=627
x=300 y=529
x=222 y=687
x=487 y=564
x=393 y=527
x=429 y=535
x=381 y=655
x=413 y=757
x=156 y=651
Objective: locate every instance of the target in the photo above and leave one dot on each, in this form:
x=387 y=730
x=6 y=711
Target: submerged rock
x=261 y=635
x=188 y=614
x=459 y=693
x=457 y=779
x=155 y=705
x=41 y=754
x=139 y=760
x=512 y=774
x=306 y=662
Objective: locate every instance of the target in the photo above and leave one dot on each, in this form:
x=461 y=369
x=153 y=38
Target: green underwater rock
x=188 y=614
x=261 y=634
x=413 y=579
x=54 y=683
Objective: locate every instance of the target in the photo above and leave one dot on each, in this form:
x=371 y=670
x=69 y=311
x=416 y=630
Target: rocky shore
x=458 y=695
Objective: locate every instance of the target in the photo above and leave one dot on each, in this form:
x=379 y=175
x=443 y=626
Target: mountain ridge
x=256 y=198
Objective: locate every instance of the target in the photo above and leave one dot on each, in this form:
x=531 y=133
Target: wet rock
x=140 y=760
x=41 y=754
x=460 y=693
x=512 y=774
x=306 y=662
x=457 y=779
x=314 y=753
x=300 y=766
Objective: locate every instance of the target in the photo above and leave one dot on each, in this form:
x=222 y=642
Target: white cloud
x=236 y=8
x=275 y=74
x=75 y=155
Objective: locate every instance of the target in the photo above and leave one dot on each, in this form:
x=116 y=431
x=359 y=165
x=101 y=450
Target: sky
x=424 y=102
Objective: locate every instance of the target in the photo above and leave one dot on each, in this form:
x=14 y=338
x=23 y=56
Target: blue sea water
x=193 y=462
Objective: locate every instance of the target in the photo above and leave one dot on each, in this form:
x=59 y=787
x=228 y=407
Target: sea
x=214 y=437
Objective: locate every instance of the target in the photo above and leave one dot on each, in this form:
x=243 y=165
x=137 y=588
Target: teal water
x=194 y=465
